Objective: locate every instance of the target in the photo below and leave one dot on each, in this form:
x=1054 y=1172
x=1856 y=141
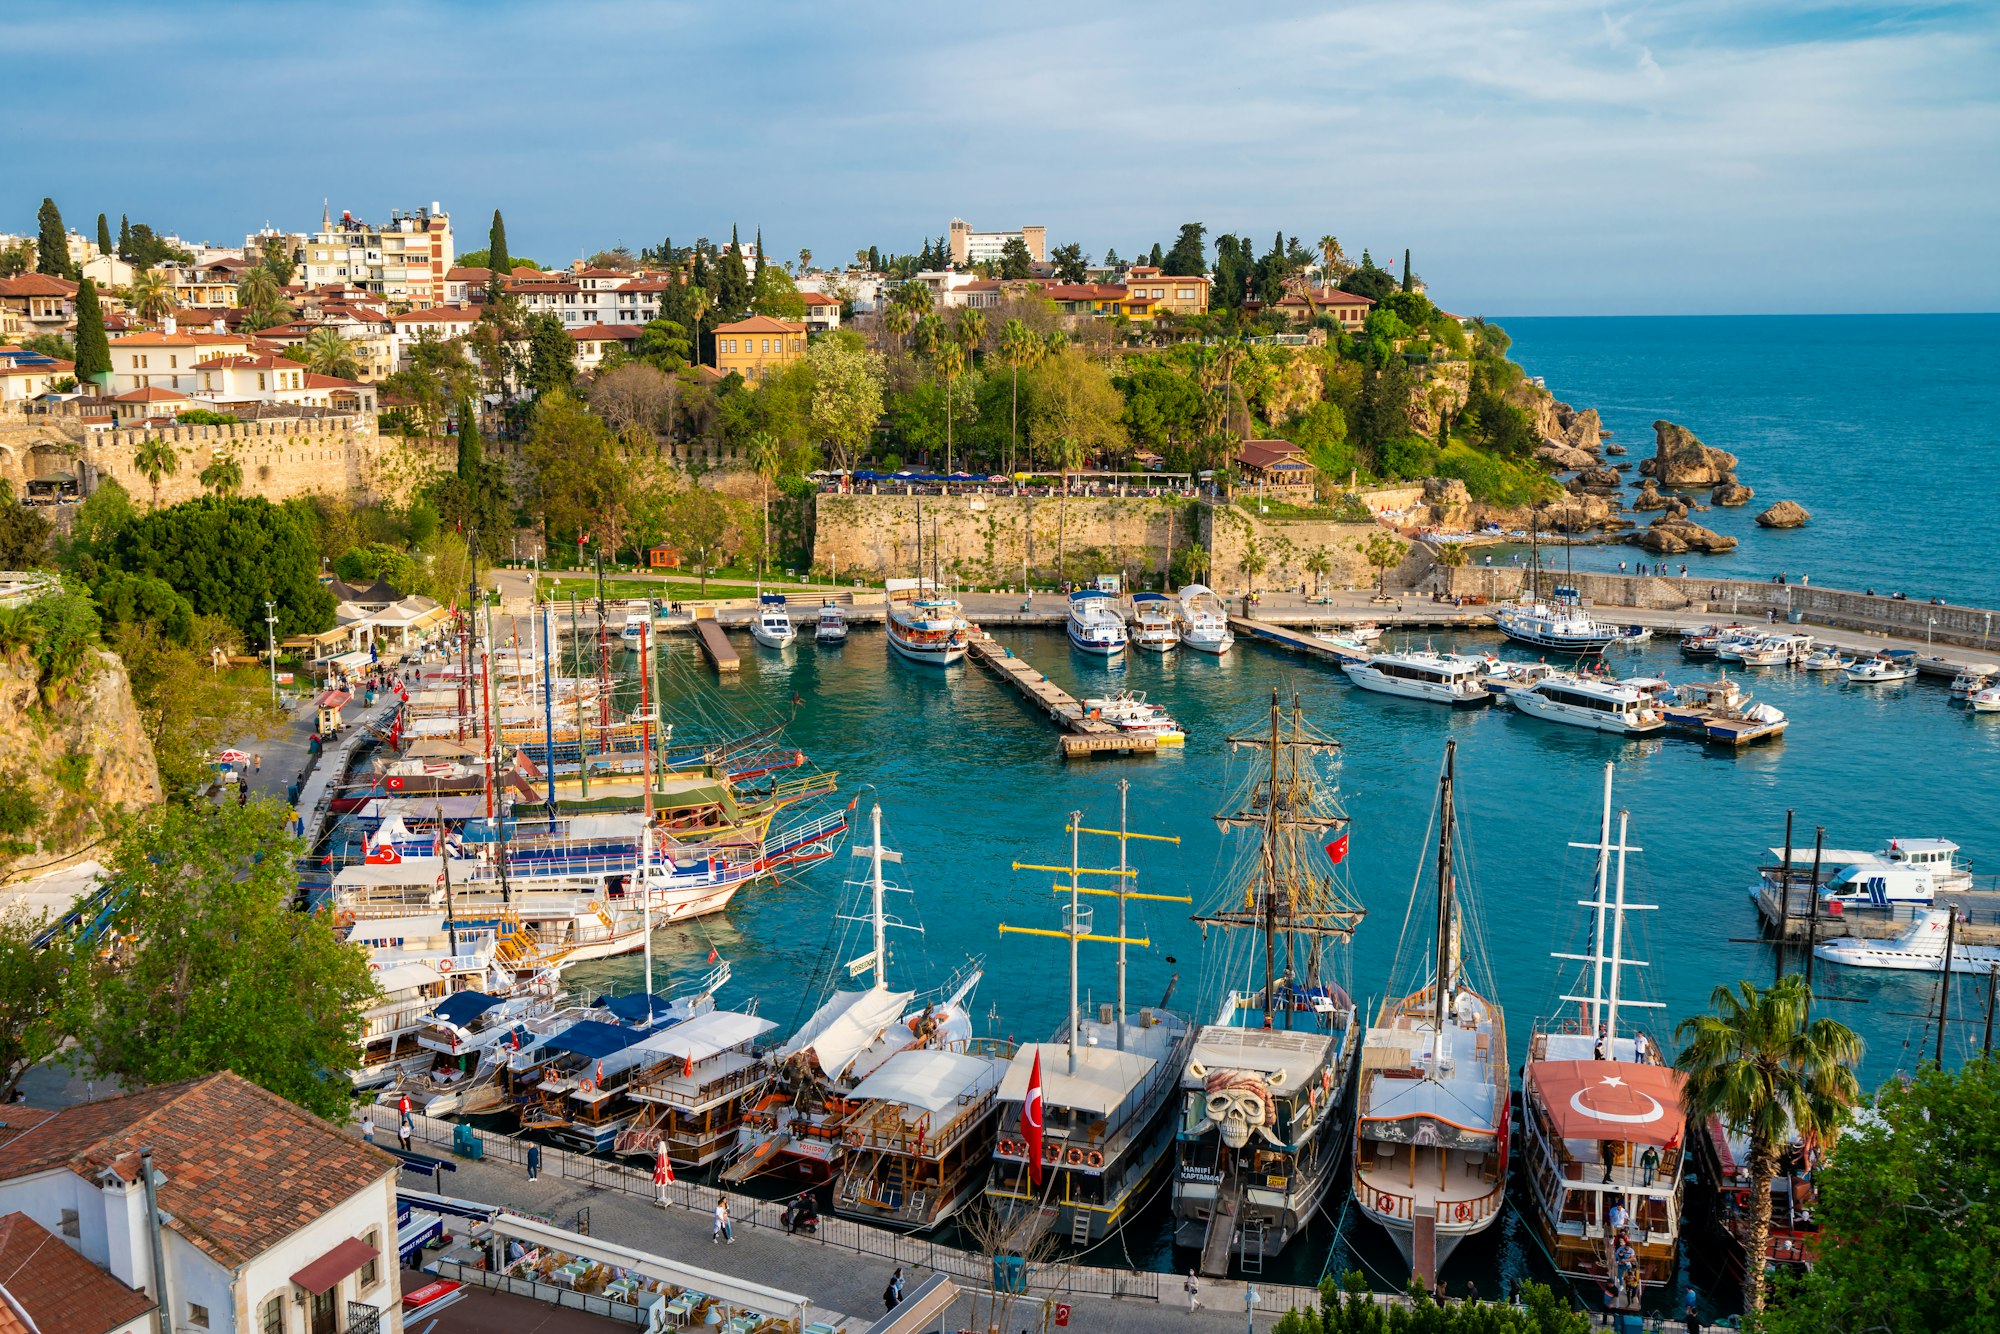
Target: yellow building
x=1167 y=296
x=758 y=346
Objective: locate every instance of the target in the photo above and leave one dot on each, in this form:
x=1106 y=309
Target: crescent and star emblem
x=1654 y=1113
x=1032 y=1113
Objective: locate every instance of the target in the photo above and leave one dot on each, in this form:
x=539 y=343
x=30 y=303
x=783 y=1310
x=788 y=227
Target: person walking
x=893 y=1293
x=1649 y=1163
x=368 y=1126
x=1193 y=1290
x=403 y=1133
x=534 y=1161
x=1691 y=1312
x=722 y=1231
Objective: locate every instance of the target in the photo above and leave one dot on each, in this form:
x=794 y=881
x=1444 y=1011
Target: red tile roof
x=1328 y=296
x=474 y=274
x=1268 y=453
x=245 y=1169
x=264 y=362
x=151 y=394
x=1083 y=292
x=37 y=284
x=821 y=299
x=646 y=285
x=438 y=315
x=761 y=324
x=607 y=333
x=59 y=1290
x=328 y=382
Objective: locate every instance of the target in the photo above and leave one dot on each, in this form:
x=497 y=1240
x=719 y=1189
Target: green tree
x=224 y=975
x=1020 y=349
x=1071 y=264
x=24 y=532
x=698 y=523
x=774 y=293
x=1254 y=562
x=1383 y=552
x=732 y=282
x=152 y=295
x=1408 y=274
x=187 y=709
x=1015 y=261
x=498 y=265
x=1908 y=1193
x=551 y=355
x=103 y=235
x=577 y=475
x=262 y=300
x=52 y=242
x=1319 y=562
x=1449 y=557
x=434 y=380
x=275 y=255
x=663 y=345
x=223 y=475
x=325 y=352
x=228 y=555
x=144 y=599
x=35 y=1022
x=767 y=458
x=154 y=459
x=970 y=331
x=1368 y=280
x=1188 y=258
x=16 y=259
x=93 y=349
x=846 y=395
x=1769 y=1071
x=124 y=237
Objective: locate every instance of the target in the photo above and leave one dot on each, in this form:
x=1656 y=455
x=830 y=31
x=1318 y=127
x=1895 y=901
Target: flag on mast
x=1031 y=1121
x=1336 y=851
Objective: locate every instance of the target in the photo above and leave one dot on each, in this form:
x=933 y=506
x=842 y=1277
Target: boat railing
x=656 y=1084
x=883 y=1129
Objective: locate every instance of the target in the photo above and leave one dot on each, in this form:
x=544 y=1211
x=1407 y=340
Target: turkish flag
x=1031 y=1121
x=1336 y=851
x=384 y=854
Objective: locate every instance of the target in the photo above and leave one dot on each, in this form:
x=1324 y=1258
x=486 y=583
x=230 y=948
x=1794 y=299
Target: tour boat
x=1633 y=636
x=920 y=1137
x=638 y=619
x=1441 y=678
x=1825 y=660
x=692 y=1087
x=1973 y=678
x=1431 y=1133
x=832 y=627
x=1921 y=947
x=773 y=628
x=1777 y=651
x=1731 y=645
x=1155 y=622
x=1263 y=1121
x=1094 y=623
x=1792 y=1241
x=1128 y=711
x=922 y=626
x=1602 y=1122
x=1985 y=701
x=1560 y=624
x=1897 y=664
x=1104 y=1087
x=1206 y=628
x=1581 y=701
x=1365 y=633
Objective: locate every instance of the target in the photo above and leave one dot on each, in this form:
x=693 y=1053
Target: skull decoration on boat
x=1239 y=1103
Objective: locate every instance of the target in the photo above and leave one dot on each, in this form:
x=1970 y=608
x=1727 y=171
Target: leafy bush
x=1408 y=457
x=229 y=554
x=132 y=599
x=207 y=417
x=1492 y=478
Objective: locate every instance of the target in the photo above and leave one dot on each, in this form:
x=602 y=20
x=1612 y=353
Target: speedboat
x=1128 y=711
x=1825 y=660
x=1441 y=678
x=1207 y=623
x=1973 y=678
x=1985 y=701
x=1559 y=623
x=638 y=616
x=1919 y=949
x=922 y=626
x=1583 y=701
x=1155 y=623
x=774 y=628
x=1633 y=636
x=1094 y=623
x=832 y=627
x=1897 y=664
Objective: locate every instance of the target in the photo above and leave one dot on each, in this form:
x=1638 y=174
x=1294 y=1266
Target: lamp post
x=271 y=635
x=1930 y=624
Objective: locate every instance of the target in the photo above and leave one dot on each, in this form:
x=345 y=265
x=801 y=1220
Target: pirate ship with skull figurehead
x=1263 y=1093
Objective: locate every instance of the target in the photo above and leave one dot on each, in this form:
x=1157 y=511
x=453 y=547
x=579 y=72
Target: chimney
x=169 y=325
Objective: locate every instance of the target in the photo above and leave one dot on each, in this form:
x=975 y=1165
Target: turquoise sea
x=969 y=780
x=1885 y=427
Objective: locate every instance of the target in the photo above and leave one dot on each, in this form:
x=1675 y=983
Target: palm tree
x=260 y=295
x=898 y=319
x=949 y=359
x=928 y=332
x=223 y=475
x=805 y=260
x=1254 y=562
x=1384 y=552
x=152 y=295
x=1332 y=258
x=1018 y=348
x=1228 y=357
x=971 y=329
x=154 y=459
x=767 y=456
x=1766 y=1068
x=1068 y=451
x=325 y=352
x=1318 y=562
x=698 y=303
x=1450 y=556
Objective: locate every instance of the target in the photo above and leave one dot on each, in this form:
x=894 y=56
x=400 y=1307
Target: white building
x=590 y=296
x=47 y=1288
x=404 y=260
x=167 y=359
x=864 y=291
x=970 y=247
x=267 y=1220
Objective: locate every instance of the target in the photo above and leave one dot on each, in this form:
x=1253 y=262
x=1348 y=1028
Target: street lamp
x=1930 y=623
x=271 y=634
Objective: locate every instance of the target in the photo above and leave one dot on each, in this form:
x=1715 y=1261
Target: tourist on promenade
x=368 y=1126
x=722 y=1231
x=892 y=1295
x=534 y=1161
x=1193 y=1291
x=403 y=1134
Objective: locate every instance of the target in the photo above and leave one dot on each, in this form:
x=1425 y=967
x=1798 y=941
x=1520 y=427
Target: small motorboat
x=1155 y=622
x=1128 y=711
x=1633 y=636
x=773 y=628
x=1985 y=701
x=1825 y=660
x=832 y=627
x=1898 y=664
x=638 y=617
x=1973 y=678
x=1365 y=633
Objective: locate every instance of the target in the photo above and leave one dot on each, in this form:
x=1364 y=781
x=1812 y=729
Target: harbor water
x=970 y=782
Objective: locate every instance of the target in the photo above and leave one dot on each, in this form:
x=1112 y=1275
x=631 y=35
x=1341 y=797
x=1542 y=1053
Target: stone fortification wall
x=1286 y=545
x=281 y=457
x=987 y=539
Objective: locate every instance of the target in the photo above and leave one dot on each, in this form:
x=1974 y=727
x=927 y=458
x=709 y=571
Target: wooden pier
x=1082 y=735
x=1978 y=916
x=1295 y=641
x=713 y=642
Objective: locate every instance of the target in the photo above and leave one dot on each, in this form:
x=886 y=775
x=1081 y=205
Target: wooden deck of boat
x=1723 y=731
x=1082 y=736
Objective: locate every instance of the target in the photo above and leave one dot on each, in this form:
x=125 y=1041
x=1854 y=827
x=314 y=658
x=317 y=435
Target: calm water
x=1885 y=427
x=969 y=782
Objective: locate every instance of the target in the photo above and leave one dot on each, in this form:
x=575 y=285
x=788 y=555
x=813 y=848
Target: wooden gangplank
x=1295 y=641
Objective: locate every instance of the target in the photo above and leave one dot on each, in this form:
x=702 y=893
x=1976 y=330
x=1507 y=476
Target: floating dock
x=1082 y=736
x=1978 y=915
x=1296 y=641
x=713 y=642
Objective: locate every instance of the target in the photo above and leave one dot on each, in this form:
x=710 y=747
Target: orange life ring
x=1462 y=1212
x=1385 y=1202
x=1742 y=1199
x=1073 y=1157
x=585 y=1085
x=854 y=1138
x=444 y=965
x=374 y=967
x=1093 y=1159
x=440 y=880
x=1052 y=1153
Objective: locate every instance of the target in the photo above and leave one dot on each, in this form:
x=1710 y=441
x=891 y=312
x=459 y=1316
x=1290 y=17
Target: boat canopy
x=1611 y=1100
x=931 y=1080
x=709 y=1034
x=437 y=747
x=405 y=976
x=771 y=599
x=1295 y=1055
x=1151 y=597
x=847 y=1025
x=463 y=1007
x=1104 y=1078
x=592 y=1040
x=613 y=827
x=1085 y=594
x=636 y=1007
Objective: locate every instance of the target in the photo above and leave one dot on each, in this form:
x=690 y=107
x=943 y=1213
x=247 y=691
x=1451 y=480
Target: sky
x=1551 y=157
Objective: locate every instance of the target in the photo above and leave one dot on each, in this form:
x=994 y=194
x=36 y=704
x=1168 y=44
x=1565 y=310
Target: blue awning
x=591 y=1039
x=463 y=1007
x=636 y=1007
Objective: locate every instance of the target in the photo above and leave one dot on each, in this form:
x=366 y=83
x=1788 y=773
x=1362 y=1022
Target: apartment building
x=1167 y=296
x=822 y=312
x=404 y=260
x=969 y=247
x=35 y=303
x=759 y=346
x=590 y=296
x=167 y=358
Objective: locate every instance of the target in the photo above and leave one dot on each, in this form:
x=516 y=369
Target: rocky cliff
x=68 y=770
x=1679 y=459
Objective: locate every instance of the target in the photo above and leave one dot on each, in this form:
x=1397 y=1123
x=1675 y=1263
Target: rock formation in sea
x=1672 y=534
x=1614 y=449
x=1564 y=457
x=1730 y=493
x=1785 y=514
x=1679 y=459
x=1573 y=513
x=1649 y=497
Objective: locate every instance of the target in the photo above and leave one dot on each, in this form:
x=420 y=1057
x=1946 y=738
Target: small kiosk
x=329 y=704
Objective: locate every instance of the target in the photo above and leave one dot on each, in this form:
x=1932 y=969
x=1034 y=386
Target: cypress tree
x=52 y=247
x=760 y=247
x=1406 y=268
x=498 y=266
x=1156 y=258
x=124 y=237
x=874 y=260
x=471 y=454
x=93 y=350
x=103 y=235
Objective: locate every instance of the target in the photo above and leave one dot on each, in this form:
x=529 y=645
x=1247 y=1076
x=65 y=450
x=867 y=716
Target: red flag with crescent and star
x=1031 y=1121
x=1336 y=851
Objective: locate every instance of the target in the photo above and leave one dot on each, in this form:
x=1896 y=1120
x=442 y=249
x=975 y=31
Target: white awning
x=1104 y=1076
x=727 y=1289
x=397 y=928
x=708 y=1035
x=409 y=871
x=608 y=827
x=406 y=977
x=1829 y=858
x=846 y=1026
x=931 y=1080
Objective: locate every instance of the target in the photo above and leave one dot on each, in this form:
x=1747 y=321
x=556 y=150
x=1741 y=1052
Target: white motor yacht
x=1128 y=711
x=1441 y=678
x=1777 y=651
x=1894 y=665
x=832 y=626
x=1583 y=701
x=1094 y=623
x=1560 y=623
x=638 y=616
x=774 y=628
x=1985 y=701
x=1155 y=622
x=1825 y=660
x=1206 y=628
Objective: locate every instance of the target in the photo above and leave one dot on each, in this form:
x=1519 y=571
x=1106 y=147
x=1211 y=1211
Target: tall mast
x=1446 y=889
x=1603 y=894
x=1944 y=982
x=549 y=705
x=582 y=760
x=1271 y=872
x=1124 y=794
x=920 y=544
x=646 y=784
x=1617 y=938
x=875 y=889
x=1075 y=927
x=1606 y=996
